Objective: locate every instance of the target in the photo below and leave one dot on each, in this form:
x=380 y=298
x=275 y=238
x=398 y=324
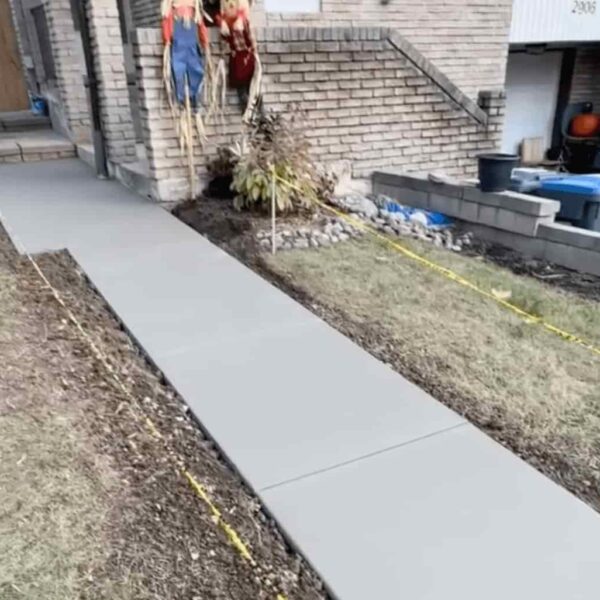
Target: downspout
x=91 y=83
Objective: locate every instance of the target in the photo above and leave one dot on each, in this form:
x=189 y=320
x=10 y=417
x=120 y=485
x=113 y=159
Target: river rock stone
x=301 y=243
x=356 y=203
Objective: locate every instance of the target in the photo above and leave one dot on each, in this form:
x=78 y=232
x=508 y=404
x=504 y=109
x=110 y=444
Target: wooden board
x=13 y=93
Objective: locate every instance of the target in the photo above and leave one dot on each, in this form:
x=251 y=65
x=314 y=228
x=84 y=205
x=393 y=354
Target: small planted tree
x=277 y=156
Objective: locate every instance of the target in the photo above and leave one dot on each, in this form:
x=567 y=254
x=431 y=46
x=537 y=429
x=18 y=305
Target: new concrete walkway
x=385 y=491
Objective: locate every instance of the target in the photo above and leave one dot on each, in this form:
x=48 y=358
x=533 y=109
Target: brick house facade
x=417 y=86
x=466 y=39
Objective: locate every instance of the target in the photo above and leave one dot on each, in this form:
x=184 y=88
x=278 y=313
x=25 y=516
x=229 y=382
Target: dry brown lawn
x=53 y=485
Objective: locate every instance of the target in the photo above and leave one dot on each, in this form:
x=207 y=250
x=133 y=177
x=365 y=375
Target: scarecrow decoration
x=187 y=71
x=245 y=70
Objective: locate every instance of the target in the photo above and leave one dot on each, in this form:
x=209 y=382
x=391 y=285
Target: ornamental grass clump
x=277 y=157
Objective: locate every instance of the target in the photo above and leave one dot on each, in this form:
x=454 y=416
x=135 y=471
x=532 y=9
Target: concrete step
x=22 y=120
x=31 y=146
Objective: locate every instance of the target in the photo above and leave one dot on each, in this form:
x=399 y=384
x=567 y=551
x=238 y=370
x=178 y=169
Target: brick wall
x=146 y=13
x=68 y=59
x=586 y=77
x=366 y=102
x=107 y=45
x=466 y=39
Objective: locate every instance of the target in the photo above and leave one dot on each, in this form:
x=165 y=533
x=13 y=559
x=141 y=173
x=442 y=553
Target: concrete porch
x=25 y=137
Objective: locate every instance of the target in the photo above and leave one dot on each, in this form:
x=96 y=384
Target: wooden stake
x=190 y=141
x=273 y=210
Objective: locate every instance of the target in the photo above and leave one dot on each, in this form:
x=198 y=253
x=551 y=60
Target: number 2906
x=584 y=7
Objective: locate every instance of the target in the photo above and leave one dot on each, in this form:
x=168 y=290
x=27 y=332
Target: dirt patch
x=232 y=230
x=532 y=392
x=235 y=232
x=582 y=284
x=97 y=508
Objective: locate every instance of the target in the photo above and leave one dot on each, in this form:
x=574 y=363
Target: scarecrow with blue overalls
x=187 y=72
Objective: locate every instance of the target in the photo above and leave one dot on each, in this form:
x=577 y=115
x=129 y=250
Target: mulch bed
x=159 y=531
x=582 y=284
x=235 y=232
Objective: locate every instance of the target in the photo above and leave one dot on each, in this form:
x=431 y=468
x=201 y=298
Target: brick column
x=107 y=45
x=70 y=69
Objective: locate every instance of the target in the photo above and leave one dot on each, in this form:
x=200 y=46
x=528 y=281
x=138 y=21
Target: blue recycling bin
x=579 y=197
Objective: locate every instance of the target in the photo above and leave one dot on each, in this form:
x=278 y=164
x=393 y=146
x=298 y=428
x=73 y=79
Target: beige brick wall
x=70 y=69
x=586 y=77
x=107 y=45
x=466 y=39
x=146 y=13
x=366 y=104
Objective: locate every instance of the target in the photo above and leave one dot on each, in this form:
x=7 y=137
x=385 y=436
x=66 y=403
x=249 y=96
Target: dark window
x=43 y=35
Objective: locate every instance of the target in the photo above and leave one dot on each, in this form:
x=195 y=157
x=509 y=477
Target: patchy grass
x=532 y=391
x=53 y=489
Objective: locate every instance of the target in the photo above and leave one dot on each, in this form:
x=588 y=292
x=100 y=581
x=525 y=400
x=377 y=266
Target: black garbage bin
x=495 y=170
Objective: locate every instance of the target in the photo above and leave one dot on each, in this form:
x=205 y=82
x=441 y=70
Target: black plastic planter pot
x=495 y=171
x=220 y=187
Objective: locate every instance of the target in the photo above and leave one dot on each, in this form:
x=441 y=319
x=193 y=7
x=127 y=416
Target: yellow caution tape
x=449 y=274
x=234 y=538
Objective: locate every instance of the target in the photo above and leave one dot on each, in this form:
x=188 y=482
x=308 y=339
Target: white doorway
x=532 y=82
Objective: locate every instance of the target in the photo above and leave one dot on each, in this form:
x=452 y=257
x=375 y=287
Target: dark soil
x=235 y=233
x=582 y=284
x=160 y=537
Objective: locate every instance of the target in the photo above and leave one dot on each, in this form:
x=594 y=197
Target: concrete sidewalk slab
x=387 y=492
x=453 y=517
x=178 y=295
x=94 y=217
x=301 y=399
x=221 y=350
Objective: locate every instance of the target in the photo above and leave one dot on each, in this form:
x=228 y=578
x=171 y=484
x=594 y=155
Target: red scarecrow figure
x=245 y=71
x=187 y=70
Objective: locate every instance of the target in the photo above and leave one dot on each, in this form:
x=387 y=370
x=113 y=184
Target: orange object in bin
x=585 y=125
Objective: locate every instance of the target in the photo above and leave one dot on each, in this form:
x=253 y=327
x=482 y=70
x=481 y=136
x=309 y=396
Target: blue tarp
x=427 y=218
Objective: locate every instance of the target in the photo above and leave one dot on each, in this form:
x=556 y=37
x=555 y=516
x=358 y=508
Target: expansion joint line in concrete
x=364 y=457
x=140 y=416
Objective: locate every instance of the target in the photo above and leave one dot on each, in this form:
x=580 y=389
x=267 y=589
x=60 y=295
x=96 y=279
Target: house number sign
x=584 y=7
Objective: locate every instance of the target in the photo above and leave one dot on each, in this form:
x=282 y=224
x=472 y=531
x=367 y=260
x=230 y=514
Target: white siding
x=538 y=21
x=292 y=6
